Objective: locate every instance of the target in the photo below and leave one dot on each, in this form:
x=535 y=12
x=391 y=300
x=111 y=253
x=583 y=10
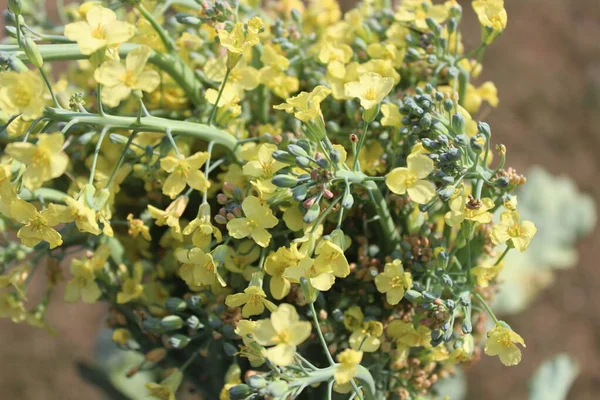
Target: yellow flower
x=11 y=307
x=335 y=56
x=198 y=268
x=240 y=261
x=37 y=225
x=391 y=115
x=319 y=276
x=467 y=208
x=475 y=97
x=281 y=84
x=276 y=265
x=370 y=88
x=485 y=273
x=254 y=300
x=171 y=215
x=119 y=80
x=137 y=227
x=242 y=77
x=366 y=337
x=348 y=360
x=102 y=29
x=512 y=229
x=264 y=167
x=284 y=331
x=393 y=282
x=83 y=284
x=166 y=389
x=258 y=219
x=83 y=215
x=353 y=318
x=251 y=350
x=22 y=93
x=45 y=160
x=491 y=14
x=417 y=12
x=132 y=287
x=502 y=342
x=121 y=336
x=272 y=58
x=407 y=336
x=201 y=229
x=184 y=170
x=331 y=257
x=306 y=106
x=237 y=41
x=464 y=351
x=412 y=179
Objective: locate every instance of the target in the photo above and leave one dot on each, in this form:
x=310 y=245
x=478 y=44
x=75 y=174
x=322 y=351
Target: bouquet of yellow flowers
x=275 y=202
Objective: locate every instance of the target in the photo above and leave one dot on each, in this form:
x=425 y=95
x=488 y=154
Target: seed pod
x=32 y=51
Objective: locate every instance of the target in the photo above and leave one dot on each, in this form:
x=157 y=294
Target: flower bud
x=297 y=150
x=32 y=51
x=257 y=381
x=239 y=392
x=284 y=181
x=179 y=341
x=171 y=323
x=313 y=212
x=175 y=304
x=15 y=6
x=187 y=19
x=277 y=389
x=458 y=123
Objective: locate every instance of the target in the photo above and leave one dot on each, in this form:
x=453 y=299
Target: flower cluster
x=291 y=194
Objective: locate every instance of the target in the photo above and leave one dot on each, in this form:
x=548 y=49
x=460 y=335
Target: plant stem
x=49 y=85
x=498 y=261
x=361 y=141
x=164 y=36
x=121 y=159
x=213 y=112
x=485 y=305
x=96 y=153
x=321 y=337
x=148 y=124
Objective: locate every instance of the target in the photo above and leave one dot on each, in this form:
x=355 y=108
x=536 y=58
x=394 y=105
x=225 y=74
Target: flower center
x=98 y=32
x=411 y=180
x=370 y=94
x=21 y=97
x=514 y=231
x=129 y=79
x=40 y=157
x=397 y=281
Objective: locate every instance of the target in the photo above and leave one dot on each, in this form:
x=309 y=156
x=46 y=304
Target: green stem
x=498 y=261
x=361 y=141
x=172 y=65
x=164 y=36
x=49 y=85
x=216 y=105
x=148 y=124
x=485 y=305
x=121 y=159
x=321 y=337
x=390 y=235
x=96 y=153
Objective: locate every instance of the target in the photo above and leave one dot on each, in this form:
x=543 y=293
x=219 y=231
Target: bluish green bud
x=452 y=25
x=304 y=144
x=299 y=192
x=454 y=154
x=214 y=321
x=467 y=326
x=323 y=163
x=32 y=51
x=283 y=156
x=15 y=6
x=284 y=181
x=219 y=254
x=296 y=16
x=476 y=143
x=171 y=323
x=453 y=72
x=501 y=182
x=450 y=304
x=413 y=296
x=484 y=129
x=302 y=162
x=447 y=280
x=347 y=200
x=239 y=392
x=458 y=123
x=229 y=349
x=312 y=214
x=175 y=304
x=152 y=325
x=187 y=19
x=461 y=140
x=297 y=150
x=432 y=59
x=179 y=341
x=448 y=105
x=256 y=381
x=117 y=139
x=412 y=55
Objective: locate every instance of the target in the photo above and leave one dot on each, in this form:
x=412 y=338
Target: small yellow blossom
x=486 y=272
x=45 y=160
x=254 y=300
x=394 y=281
x=132 y=287
x=276 y=265
x=137 y=227
x=491 y=15
x=198 y=268
x=83 y=284
x=284 y=331
x=331 y=256
x=353 y=318
x=264 y=167
x=258 y=218
x=120 y=80
x=319 y=276
x=184 y=170
x=22 y=93
x=464 y=351
x=83 y=215
x=37 y=225
x=366 y=338
x=101 y=29
x=475 y=97
x=391 y=115
x=240 y=260
x=502 y=342
x=407 y=336
x=412 y=179
x=201 y=229
x=348 y=360
x=305 y=106
x=166 y=389
x=370 y=88
x=121 y=336
x=512 y=229
x=237 y=41
x=467 y=208
x=171 y=215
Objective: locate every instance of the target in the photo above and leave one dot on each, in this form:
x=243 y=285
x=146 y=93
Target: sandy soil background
x=547 y=69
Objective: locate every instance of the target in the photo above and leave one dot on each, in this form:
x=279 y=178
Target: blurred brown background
x=547 y=70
